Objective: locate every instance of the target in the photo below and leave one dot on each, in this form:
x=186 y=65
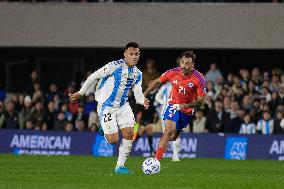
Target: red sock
x=159 y=153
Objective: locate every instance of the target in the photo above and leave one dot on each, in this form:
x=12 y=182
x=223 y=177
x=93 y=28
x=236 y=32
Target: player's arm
x=138 y=94
x=152 y=85
x=156 y=82
x=198 y=102
x=93 y=78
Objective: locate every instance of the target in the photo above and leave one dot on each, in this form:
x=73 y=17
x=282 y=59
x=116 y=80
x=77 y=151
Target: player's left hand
x=177 y=107
x=146 y=103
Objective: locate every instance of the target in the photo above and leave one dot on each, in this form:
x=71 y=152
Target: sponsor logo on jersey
x=190 y=85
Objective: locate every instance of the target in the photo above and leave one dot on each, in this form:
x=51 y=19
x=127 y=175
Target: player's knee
x=112 y=139
x=168 y=132
x=173 y=138
x=128 y=134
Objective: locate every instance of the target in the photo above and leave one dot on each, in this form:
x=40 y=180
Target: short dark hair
x=189 y=54
x=131 y=44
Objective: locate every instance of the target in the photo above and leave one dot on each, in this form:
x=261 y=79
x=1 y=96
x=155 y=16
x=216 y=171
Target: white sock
x=176 y=147
x=124 y=150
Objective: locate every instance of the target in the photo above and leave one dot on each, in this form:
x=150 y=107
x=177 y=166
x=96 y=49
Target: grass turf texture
x=97 y=172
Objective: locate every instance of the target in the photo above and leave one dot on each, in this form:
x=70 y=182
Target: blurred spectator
x=10 y=118
x=93 y=122
x=2 y=93
x=73 y=107
x=217 y=118
x=279 y=123
x=246 y=103
x=245 y=76
x=199 y=122
x=149 y=73
x=50 y=116
x=81 y=116
x=80 y=125
x=227 y=104
x=53 y=91
x=29 y=125
x=90 y=104
x=248 y=127
x=210 y=89
x=38 y=116
x=213 y=73
x=26 y=113
x=64 y=109
x=57 y=102
x=148 y=116
x=275 y=101
x=68 y=127
x=32 y=80
x=266 y=124
x=37 y=95
x=265 y=93
x=60 y=122
x=256 y=77
x=233 y=111
x=274 y=85
x=234 y=125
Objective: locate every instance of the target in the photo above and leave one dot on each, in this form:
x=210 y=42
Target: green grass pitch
x=72 y=172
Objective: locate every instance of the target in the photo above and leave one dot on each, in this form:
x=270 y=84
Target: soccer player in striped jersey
x=113 y=82
x=188 y=91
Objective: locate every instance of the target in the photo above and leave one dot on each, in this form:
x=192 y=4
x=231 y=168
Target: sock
x=176 y=147
x=159 y=153
x=124 y=150
x=136 y=129
x=150 y=141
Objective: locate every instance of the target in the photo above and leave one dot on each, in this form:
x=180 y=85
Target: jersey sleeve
x=165 y=77
x=105 y=71
x=137 y=89
x=201 y=87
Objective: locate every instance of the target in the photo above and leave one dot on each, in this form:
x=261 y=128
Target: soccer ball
x=151 y=166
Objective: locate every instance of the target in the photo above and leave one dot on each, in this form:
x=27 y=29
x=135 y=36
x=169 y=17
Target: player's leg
x=183 y=123
x=176 y=145
x=125 y=120
x=164 y=141
x=109 y=126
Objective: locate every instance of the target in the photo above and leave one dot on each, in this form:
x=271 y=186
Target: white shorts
x=112 y=119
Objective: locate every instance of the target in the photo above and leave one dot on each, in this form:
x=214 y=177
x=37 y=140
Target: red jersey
x=185 y=89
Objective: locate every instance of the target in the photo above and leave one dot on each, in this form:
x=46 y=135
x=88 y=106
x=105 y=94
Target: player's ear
x=125 y=53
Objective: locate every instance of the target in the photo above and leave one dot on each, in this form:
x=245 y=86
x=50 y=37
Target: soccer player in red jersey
x=188 y=91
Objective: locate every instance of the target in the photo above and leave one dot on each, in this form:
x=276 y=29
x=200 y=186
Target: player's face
x=186 y=64
x=131 y=56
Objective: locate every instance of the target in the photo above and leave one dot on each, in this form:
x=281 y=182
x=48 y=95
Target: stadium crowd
x=248 y=102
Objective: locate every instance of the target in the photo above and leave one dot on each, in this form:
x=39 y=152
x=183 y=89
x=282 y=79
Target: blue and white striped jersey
x=162 y=98
x=113 y=82
x=265 y=126
x=249 y=128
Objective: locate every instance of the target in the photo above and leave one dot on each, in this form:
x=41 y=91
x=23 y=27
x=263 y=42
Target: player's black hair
x=131 y=44
x=189 y=54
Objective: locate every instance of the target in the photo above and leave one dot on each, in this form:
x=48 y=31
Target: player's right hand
x=74 y=96
x=146 y=103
